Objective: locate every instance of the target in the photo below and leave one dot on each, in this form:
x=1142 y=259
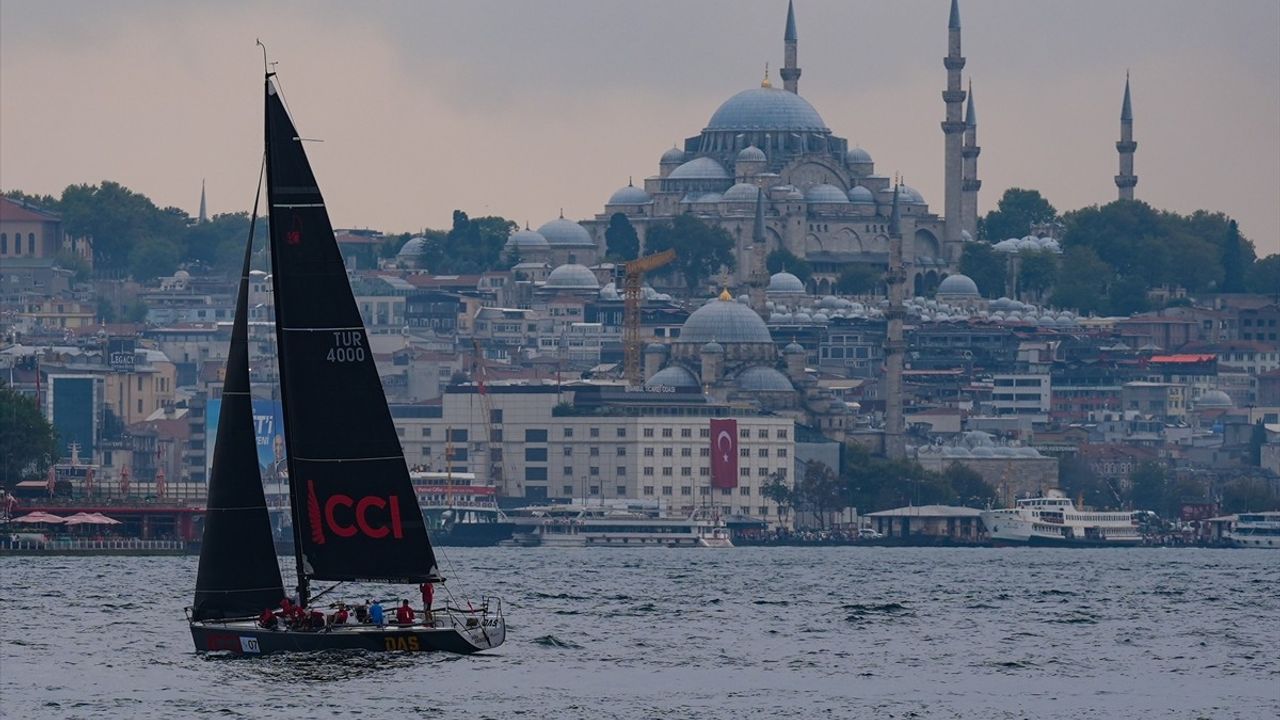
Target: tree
x=470 y=246
x=1037 y=271
x=701 y=249
x=1016 y=212
x=1148 y=487
x=985 y=267
x=819 y=491
x=779 y=491
x=28 y=443
x=1126 y=296
x=1077 y=480
x=968 y=486
x=1264 y=276
x=1233 y=260
x=1082 y=281
x=857 y=280
x=1248 y=495
x=620 y=239
x=783 y=260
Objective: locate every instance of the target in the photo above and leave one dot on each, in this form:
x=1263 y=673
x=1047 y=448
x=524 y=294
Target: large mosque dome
x=572 y=277
x=765 y=108
x=958 y=285
x=725 y=322
x=566 y=233
x=525 y=240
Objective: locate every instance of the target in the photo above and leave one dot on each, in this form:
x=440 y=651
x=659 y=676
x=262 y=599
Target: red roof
x=13 y=211
x=1183 y=358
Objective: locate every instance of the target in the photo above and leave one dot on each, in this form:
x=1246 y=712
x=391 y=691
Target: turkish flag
x=724 y=453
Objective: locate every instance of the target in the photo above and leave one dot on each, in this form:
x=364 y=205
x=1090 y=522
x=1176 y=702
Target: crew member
x=404 y=614
x=375 y=613
x=362 y=612
x=428 y=595
x=267 y=619
x=339 y=617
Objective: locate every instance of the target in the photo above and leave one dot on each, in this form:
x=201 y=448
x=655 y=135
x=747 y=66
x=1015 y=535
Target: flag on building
x=724 y=453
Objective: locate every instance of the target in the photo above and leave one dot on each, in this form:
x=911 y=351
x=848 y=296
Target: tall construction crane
x=632 y=276
x=479 y=376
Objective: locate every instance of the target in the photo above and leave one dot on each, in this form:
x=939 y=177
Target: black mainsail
x=355 y=513
x=239 y=574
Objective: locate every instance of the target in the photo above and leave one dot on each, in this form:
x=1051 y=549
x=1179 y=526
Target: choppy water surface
x=656 y=633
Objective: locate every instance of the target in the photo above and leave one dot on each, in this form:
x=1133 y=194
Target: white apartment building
x=539 y=446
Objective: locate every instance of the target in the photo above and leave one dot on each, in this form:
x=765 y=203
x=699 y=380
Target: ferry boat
x=1055 y=520
x=1256 y=530
x=579 y=526
x=459 y=512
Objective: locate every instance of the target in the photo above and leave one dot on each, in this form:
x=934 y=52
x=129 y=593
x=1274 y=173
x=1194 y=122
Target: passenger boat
x=594 y=526
x=1055 y=520
x=1256 y=530
x=354 y=513
x=459 y=512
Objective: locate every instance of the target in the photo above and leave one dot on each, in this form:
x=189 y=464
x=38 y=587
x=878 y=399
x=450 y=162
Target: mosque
x=824 y=201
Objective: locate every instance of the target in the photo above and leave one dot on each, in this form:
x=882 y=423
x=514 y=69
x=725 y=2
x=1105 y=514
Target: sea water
x=681 y=633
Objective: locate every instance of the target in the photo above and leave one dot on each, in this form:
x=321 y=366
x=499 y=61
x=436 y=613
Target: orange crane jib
x=633 y=275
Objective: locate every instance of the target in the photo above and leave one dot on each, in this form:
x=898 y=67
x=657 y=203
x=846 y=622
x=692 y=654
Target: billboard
x=724 y=453
x=122 y=353
x=73 y=411
x=268 y=429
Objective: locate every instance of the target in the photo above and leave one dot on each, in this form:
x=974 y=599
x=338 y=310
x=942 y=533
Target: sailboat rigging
x=355 y=513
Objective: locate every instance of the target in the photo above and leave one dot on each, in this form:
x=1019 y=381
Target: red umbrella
x=39 y=517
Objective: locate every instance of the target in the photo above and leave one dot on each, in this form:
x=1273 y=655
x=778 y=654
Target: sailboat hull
x=245 y=637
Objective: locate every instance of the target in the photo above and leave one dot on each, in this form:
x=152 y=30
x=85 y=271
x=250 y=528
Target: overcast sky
x=522 y=108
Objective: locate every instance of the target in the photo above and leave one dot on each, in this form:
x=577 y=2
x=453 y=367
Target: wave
x=554 y=642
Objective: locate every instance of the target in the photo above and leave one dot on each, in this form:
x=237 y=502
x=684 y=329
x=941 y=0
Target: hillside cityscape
x=878 y=352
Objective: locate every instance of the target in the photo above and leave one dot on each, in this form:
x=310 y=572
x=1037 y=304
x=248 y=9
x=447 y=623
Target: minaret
x=790 y=71
x=953 y=130
x=204 y=209
x=1126 y=179
x=894 y=347
x=970 y=183
x=758 y=277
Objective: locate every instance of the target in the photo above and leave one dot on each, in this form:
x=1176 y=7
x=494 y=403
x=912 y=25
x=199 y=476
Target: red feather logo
x=313 y=514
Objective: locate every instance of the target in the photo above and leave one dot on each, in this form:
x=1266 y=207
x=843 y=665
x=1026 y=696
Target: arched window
x=4 y=243
x=17 y=243
x=31 y=243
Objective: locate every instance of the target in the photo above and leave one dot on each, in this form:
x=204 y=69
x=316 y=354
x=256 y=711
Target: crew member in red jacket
x=428 y=596
x=404 y=614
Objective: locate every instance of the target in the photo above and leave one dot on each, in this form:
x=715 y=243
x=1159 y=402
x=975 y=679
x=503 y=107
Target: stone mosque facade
x=823 y=199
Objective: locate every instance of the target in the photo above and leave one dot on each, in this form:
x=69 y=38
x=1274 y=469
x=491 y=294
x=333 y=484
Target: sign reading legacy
x=122 y=353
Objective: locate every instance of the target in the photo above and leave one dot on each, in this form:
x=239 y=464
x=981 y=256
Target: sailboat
x=355 y=514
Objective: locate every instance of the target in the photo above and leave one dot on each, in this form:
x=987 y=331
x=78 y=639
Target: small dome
x=1003 y=451
x=825 y=193
x=1215 y=399
x=524 y=240
x=764 y=379
x=785 y=283
x=742 y=192
x=958 y=284
x=751 y=153
x=713 y=348
x=802 y=317
x=861 y=196
x=572 y=277
x=856 y=155
x=1025 y=451
x=793 y=348
x=629 y=195
x=412 y=248
x=703 y=168
x=674 y=376
x=910 y=195
x=983 y=451
x=609 y=292
x=564 y=232
x=655 y=349
x=766 y=108
x=673 y=156
x=723 y=321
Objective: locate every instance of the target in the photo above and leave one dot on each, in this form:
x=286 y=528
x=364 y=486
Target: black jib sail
x=239 y=575
x=355 y=513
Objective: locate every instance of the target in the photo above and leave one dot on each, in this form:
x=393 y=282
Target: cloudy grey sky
x=521 y=108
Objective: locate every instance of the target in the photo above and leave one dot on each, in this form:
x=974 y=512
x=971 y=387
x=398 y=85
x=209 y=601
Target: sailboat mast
x=295 y=492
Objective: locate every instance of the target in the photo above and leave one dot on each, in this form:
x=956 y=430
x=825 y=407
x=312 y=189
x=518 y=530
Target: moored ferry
x=1256 y=530
x=1055 y=520
x=578 y=526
